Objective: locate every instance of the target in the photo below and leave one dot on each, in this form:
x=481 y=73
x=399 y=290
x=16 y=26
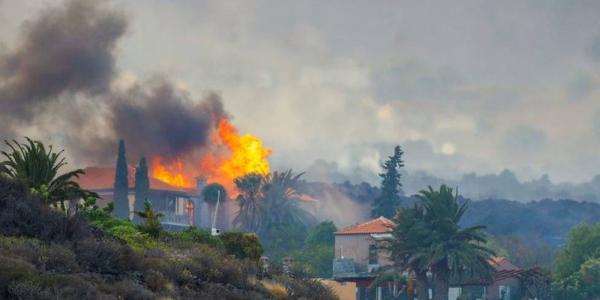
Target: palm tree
x=410 y=241
x=37 y=166
x=270 y=200
x=396 y=282
x=429 y=237
x=280 y=201
x=249 y=187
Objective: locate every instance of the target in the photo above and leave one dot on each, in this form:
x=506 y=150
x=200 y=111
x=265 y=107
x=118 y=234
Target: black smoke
x=165 y=121
x=64 y=69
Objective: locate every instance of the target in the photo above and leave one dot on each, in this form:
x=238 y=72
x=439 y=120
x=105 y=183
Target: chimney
x=200 y=184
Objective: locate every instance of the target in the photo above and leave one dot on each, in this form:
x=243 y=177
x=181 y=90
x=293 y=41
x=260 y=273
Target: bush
x=14 y=270
x=26 y=290
x=155 y=280
x=106 y=256
x=307 y=289
x=197 y=235
x=242 y=245
x=24 y=215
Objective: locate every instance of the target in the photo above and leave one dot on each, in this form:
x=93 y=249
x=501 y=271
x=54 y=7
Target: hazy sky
x=463 y=86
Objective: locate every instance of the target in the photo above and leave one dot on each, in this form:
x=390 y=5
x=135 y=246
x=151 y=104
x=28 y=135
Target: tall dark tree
x=391 y=188
x=121 y=187
x=142 y=188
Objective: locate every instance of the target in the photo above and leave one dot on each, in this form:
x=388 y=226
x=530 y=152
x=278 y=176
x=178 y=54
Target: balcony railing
x=347 y=268
x=175 y=219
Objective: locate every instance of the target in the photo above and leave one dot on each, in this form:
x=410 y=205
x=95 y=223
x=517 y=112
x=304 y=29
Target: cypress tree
x=391 y=188
x=121 y=187
x=142 y=188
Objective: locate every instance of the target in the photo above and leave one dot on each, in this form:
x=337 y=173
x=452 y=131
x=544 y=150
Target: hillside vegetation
x=45 y=254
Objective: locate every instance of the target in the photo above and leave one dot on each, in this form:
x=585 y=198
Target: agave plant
x=38 y=167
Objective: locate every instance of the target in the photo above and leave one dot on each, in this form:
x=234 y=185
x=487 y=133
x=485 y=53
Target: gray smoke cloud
x=65 y=66
x=66 y=50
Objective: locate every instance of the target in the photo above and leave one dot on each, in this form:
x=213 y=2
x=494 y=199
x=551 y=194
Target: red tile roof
x=379 y=225
x=99 y=178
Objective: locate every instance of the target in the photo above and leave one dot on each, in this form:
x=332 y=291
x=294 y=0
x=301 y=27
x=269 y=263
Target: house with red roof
x=181 y=207
x=358 y=257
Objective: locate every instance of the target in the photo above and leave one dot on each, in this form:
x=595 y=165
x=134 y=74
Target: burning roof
x=100 y=178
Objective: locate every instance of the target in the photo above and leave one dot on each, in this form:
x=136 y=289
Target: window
x=373 y=255
x=504 y=292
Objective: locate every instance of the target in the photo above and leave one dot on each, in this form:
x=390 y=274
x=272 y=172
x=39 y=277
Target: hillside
x=45 y=254
x=549 y=220
x=545 y=220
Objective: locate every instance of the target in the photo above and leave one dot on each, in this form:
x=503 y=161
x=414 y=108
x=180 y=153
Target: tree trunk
x=440 y=282
x=422 y=286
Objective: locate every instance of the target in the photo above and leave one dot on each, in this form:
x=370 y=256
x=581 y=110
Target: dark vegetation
x=388 y=200
x=66 y=249
x=530 y=232
x=47 y=255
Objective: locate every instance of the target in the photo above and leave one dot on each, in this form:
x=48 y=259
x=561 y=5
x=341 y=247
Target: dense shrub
x=196 y=235
x=242 y=245
x=106 y=256
x=24 y=215
x=306 y=289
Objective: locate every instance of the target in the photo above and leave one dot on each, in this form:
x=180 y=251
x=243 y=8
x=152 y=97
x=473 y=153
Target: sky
x=469 y=86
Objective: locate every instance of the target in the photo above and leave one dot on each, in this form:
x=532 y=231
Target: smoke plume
x=66 y=50
x=65 y=64
x=165 y=121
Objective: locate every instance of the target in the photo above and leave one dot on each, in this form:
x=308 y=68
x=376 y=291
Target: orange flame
x=234 y=155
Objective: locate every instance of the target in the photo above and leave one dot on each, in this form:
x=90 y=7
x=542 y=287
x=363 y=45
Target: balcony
x=347 y=268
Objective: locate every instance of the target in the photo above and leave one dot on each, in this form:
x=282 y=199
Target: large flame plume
x=232 y=155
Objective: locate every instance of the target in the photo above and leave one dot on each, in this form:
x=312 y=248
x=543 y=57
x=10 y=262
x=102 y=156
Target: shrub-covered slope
x=46 y=255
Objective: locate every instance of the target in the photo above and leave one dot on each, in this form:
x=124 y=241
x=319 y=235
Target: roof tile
x=379 y=225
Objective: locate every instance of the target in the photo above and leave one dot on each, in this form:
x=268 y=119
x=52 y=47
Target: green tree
x=583 y=243
x=121 y=186
x=322 y=234
x=211 y=193
x=389 y=199
x=142 y=187
x=428 y=237
x=249 y=187
x=319 y=249
x=577 y=265
x=151 y=218
x=38 y=167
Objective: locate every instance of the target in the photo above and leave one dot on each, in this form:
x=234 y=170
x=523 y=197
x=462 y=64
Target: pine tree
x=391 y=188
x=121 y=187
x=142 y=188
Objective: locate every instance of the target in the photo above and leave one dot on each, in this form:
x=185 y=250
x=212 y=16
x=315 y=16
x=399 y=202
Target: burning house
x=181 y=207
